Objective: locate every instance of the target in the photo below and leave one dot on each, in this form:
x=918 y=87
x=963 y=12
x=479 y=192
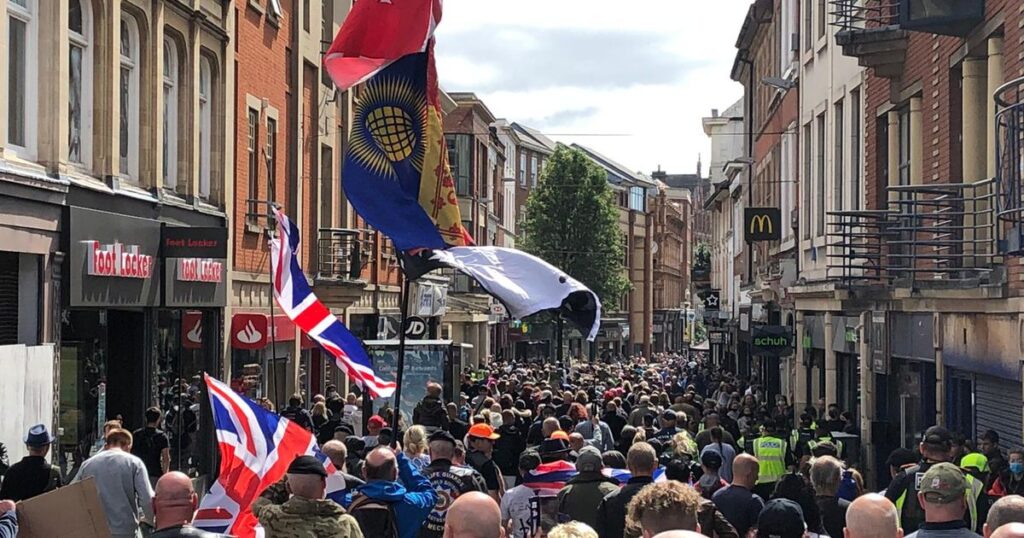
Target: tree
x=572 y=222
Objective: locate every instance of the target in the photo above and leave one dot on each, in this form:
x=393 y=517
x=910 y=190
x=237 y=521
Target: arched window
x=205 y=125
x=128 y=91
x=170 y=153
x=80 y=82
x=22 y=62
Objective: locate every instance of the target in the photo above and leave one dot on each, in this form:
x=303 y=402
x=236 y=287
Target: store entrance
x=126 y=389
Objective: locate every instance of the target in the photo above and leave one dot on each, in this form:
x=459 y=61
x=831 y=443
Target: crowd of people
x=668 y=446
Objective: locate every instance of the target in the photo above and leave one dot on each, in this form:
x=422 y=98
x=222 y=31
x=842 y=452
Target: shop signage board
x=711 y=298
x=718 y=337
x=252 y=331
x=112 y=260
x=772 y=340
x=762 y=224
x=192 y=330
x=194 y=266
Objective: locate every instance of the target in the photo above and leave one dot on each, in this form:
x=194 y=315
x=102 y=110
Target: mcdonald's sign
x=762 y=224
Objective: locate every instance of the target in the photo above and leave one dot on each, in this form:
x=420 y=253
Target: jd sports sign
x=772 y=340
x=762 y=224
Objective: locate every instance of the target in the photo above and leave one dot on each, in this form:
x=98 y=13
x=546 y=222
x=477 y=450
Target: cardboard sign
x=78 y=510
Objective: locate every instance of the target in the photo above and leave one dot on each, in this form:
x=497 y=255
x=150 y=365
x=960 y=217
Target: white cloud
x=666 y=65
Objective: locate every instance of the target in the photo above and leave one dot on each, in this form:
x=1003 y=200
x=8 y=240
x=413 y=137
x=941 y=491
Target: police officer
x=448 y=480
x=976 y=467
x=774 y=458
x=306 y=513
x=823 y=435
x=935 y=447
x=801 y=435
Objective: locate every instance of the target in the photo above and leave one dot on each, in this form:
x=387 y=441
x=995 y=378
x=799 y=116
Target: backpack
x=376 y=518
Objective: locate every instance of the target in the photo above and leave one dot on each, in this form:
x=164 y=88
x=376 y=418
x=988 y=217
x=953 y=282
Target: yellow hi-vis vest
x=771 y=457
x=813 y=443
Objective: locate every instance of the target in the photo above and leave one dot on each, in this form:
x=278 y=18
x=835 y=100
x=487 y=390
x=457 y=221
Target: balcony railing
x=852 y=15
x=341 y=254
x=1010 y=164
x=938 y=235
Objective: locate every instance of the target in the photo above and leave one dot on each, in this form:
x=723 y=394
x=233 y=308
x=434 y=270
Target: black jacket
x=615 y=422
x=431 y=414
x=508 y=447
x=299 y=416
x=611 y=513
x=30 y=477
x=449 y=481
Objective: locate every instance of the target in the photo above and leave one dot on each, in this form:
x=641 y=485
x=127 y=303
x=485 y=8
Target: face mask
x=1017 y=467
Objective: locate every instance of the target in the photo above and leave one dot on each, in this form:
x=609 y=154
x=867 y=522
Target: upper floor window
x=170 y=116
x=522 y=168
x=637 y=199
x=460 y=158
x=205 y=125
x=128 y=93
x=21 y=75
x=533 y=171
x=79 y=83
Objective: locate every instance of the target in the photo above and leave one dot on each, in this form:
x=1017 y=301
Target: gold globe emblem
x=392 y=130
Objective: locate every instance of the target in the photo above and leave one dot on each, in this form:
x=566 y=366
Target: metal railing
x=930 y=235
x=942 y=232
x=341 y=255
x=1010 y=164
x=856 y=240
x=852 y=15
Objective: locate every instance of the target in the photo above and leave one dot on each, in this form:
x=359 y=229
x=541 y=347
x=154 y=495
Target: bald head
x=744 y=470
x=1010 y=530
x=336 y=451
x=1008 y=509
x=576 y=441
x=380 y=465
x=679 y=534
x=473 y=515
x=872 y=516
x=174 y=500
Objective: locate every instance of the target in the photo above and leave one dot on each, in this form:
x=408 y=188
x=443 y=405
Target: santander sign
x=117 y=260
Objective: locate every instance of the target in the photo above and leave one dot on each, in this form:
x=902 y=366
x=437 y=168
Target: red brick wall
x=261 y=71
x=928 y=64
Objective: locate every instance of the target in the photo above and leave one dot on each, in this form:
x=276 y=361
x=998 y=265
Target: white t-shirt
x=515 y=505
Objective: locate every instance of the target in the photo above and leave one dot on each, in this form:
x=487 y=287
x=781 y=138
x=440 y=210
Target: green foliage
x=702 y=257
x=572 y=222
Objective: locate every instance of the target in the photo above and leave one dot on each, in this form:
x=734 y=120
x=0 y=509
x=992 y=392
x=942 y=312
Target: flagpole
x=400 y=366
x=272 y=225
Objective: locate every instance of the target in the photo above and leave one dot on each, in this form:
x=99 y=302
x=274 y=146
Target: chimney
x=714 y=112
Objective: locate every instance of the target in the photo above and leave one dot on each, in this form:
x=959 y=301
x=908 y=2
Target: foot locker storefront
x=143 y=320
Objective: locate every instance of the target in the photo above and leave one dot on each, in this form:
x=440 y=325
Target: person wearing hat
x=33 y=475
x=773 y=456
x=935 y=448
x=555 y=449
x=305 y=512
x=448 y=480
x=583 y=493
x=481 y=439
x=943 y=496
x=781 y=518
x=667 y=421
x=976 y=467
x=374 y=425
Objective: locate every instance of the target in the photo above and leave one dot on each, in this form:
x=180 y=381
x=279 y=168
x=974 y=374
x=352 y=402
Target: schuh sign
x=772 y=340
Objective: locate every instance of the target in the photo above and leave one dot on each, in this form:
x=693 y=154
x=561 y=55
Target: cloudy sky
x=631 y=79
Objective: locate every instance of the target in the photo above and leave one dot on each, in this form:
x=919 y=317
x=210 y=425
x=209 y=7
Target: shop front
x=141 y=326
x=263 y=359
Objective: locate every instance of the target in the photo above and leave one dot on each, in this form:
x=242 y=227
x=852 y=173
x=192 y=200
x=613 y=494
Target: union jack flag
x=256 y=448
x=307 y=312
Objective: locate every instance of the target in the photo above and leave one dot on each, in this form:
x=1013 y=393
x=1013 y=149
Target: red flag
x=376 y=33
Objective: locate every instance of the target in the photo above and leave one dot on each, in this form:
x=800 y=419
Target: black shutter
x=8 y=298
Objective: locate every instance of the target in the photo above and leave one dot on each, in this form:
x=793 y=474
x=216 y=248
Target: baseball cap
x=781 y=518
x=483 y=431
x=377 y=420
x=711 y=459
x=938 y=436
x=307 y=465
x=589 y=460
x=668 y=414
x=976 y=461
x=943 y=483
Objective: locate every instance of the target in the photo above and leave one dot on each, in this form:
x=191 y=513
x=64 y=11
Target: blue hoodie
x=412 y=496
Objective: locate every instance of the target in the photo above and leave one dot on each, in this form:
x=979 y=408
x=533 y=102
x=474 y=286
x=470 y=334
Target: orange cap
x=483 y=431
x=559 y=434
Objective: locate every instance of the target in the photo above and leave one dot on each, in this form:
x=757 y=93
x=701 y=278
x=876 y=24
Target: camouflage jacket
x=297 y=517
